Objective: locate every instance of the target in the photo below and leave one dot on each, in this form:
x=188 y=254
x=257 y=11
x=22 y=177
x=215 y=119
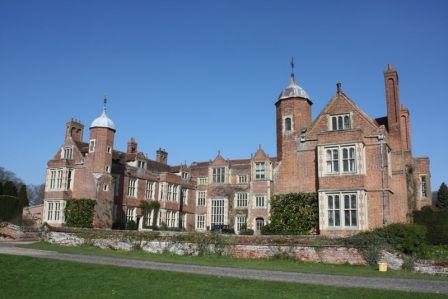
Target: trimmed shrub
x=10 y=209
x=293 y=214
x=9 y=188
x=442 y=197
x=131 y=225
x=79 y=212
x=436 y=223
x=405 y=238
x=246 y=232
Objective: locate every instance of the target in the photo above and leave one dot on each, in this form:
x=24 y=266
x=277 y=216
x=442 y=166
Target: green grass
x=226 y=261
x=435 y=252
x=25 y=277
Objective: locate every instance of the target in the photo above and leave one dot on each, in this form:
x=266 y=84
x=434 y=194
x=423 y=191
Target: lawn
x=25 y=277
x=226 y=261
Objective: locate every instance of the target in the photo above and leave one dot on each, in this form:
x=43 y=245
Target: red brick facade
x=362 y=169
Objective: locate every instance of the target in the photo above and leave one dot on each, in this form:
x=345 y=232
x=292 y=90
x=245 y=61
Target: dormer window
x=340 y=122
x=67 y=153
x=92 y=143
x=288 y=125
x=141 y=164
x=184 y=175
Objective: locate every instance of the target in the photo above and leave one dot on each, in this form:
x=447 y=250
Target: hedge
x=436 y=222
x=406 y=238
x=10 y=209
x=79 y=212
x=293 y=214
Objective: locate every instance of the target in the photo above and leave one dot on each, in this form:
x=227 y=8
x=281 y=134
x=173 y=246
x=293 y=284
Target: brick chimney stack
x=74 y=129
x=132 y=146
x=162 y=156
x=392 y=98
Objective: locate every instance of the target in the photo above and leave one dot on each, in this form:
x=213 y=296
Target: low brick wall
x=316 y=254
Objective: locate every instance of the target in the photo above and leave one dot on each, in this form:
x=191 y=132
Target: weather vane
x=105 y=103
x=292 y=67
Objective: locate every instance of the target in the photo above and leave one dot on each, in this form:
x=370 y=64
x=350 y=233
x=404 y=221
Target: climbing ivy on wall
x=293 y=214
x=79 y=212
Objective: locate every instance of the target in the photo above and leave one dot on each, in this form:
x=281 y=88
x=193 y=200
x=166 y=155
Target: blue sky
x=196 y=77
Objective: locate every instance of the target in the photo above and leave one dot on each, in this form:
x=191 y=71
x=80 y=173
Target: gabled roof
x=260 y=154
x=343 y=96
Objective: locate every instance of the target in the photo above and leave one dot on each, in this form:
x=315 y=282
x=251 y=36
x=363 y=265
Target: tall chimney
x=162 y=156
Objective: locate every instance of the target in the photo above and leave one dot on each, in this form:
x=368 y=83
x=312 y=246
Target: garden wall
x=196 y=244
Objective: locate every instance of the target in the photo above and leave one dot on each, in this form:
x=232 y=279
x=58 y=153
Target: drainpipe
x=383 y=191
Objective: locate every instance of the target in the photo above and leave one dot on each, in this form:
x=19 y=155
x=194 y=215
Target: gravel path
x=412 y=285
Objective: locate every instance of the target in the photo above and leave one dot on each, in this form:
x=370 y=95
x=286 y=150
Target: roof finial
x=292 y=68
x=339 y=87
x=105 y=103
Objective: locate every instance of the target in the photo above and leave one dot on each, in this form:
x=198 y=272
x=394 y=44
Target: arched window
x=287 y=124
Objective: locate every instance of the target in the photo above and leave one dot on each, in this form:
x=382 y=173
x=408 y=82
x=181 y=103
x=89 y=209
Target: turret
x=293 y=108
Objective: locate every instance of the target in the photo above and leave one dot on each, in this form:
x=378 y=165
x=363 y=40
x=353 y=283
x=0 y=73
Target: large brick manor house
x=361 y=167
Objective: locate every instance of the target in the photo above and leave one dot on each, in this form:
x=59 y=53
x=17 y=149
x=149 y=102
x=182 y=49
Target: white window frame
x=92 y=145
x=257 y=223
x=260 y=200
x=217 y=211
x=54 y=211
x=141 y=164
x=260 y=171
x=219 y=175
x=339 y=205
x=131 y=214
x=132 y=187
x=340 y=159
x=241 y=199
x=183 y=195
x=240 y=222
x=149 y=190
x=67 y=152
x=202 y=181
x=242 y=179
x=340 y=122
x=200 y=221
x=201 y=196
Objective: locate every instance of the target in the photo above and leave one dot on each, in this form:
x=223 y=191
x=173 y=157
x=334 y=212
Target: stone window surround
x=240 y=221
x=150 y=190
x=330 y=121
x=92 y=145
x=221 y=177
x=255 y=202
x=242 y=179
x=360 y=158
x=240 y=198
x=132 y=191
x=67 y=152
x=60 y=211
x=200 y=201
x=60 y=179
x=421 y=186
x=200 y=221
x=284 y=131
x=361 y=210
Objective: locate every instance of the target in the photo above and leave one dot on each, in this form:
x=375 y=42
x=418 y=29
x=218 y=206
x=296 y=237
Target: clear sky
x=196 y=77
